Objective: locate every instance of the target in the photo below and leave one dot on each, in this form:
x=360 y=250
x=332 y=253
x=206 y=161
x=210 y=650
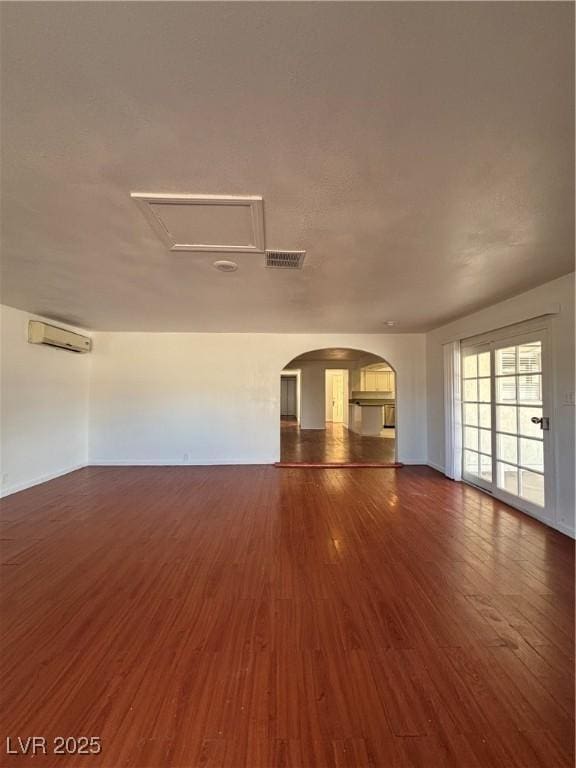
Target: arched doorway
x=338 y=408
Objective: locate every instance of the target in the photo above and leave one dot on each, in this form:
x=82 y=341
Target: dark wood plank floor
x=258 y=617
x=335 y=444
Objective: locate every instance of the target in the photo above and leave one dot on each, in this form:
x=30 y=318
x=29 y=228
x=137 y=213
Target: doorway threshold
x=338 y=465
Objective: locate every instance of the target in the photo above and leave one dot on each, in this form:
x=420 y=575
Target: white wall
x=313 y=384
x=43 y=406
x=169 y=398
x=557 y=299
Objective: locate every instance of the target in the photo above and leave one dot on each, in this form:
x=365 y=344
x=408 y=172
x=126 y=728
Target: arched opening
x=338 y=407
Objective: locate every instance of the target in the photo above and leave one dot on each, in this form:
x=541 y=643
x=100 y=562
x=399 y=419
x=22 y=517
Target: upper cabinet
x=377 y=381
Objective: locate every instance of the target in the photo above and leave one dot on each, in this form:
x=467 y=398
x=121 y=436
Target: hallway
x=335 y=444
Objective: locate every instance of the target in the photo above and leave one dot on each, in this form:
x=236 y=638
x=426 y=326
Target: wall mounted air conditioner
x=42 y=333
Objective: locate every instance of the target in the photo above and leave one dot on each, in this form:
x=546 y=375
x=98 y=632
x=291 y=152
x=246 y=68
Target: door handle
x=544 y=422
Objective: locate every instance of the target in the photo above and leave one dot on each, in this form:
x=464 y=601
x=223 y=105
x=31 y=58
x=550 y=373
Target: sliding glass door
x=505 y=420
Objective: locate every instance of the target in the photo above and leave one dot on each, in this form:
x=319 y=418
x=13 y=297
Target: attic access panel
x=222 y=223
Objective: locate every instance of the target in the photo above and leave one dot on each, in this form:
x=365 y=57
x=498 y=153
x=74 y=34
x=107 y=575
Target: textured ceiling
x=421 y=153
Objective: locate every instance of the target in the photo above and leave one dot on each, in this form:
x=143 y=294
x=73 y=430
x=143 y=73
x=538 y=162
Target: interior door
x=506 y=425
x=338 y=397
x=288 y=400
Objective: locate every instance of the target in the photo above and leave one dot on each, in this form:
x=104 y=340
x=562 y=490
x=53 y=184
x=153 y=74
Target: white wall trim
x=563 y=528
x=556 y=524
x=264 y=461
x=179 y=463
x=551 y=523
x=10 y=489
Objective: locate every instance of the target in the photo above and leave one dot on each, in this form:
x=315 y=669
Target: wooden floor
x=335 y=444
x=257 y=617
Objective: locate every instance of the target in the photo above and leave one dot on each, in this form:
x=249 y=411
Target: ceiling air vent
x=285 y=259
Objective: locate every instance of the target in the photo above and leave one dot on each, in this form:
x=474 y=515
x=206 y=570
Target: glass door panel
x=477 y=415
x=505 y=438
x=519 y=440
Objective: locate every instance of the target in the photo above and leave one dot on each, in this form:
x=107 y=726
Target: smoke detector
x=285 y=259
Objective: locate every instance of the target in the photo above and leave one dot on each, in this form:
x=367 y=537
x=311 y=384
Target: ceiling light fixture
x=225 y=266
x=390 y=323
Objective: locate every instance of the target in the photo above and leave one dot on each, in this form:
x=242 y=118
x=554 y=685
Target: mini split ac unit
x=42 y=333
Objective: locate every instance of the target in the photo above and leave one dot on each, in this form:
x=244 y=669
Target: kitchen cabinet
x=377 y=381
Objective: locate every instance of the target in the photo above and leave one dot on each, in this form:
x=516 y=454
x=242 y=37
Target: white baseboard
x=563 y=528
x=7 y=491
x=556 y=524
x=10 y=489
x=178 y=462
